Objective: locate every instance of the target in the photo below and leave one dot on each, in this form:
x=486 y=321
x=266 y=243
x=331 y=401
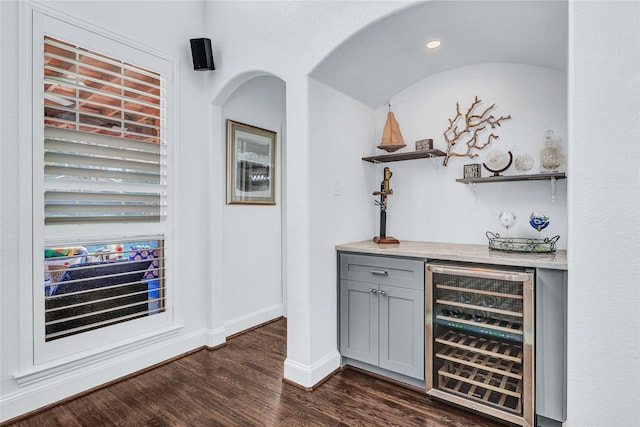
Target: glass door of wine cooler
x=480 y=339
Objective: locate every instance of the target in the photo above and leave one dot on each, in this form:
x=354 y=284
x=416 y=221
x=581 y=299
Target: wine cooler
x=480 y=337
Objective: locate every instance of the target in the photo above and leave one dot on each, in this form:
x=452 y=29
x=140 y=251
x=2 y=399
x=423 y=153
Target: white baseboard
x=61 y=385
x=309 y=375
x=215 y=337
x=248 y=321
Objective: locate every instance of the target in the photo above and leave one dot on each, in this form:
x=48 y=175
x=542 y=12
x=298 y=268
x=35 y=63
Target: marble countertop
x=460 y=252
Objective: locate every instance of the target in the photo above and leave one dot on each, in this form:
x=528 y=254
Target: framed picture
x=472 y=171
x=251 y=165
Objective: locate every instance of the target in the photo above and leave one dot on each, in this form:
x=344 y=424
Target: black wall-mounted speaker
x=202 y=55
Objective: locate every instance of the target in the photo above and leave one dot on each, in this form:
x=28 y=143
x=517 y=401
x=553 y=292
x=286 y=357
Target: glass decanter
x=549 y=156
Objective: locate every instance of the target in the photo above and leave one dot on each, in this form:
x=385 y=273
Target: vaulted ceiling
x=389 y=55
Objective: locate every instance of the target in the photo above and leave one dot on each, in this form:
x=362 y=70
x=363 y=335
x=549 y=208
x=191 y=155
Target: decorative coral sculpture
x=467 y=130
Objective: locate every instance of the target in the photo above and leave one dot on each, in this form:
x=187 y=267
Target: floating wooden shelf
x=501 y=178
x=552 y=177
x=421 y=154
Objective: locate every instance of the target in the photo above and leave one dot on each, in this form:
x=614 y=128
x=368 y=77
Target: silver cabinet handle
x=383 y=293
x=373 y=291
x=379 y=272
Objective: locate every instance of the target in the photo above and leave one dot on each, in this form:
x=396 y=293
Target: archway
x=249 y=237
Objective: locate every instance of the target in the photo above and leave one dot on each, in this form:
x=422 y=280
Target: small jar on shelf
x=549 y=155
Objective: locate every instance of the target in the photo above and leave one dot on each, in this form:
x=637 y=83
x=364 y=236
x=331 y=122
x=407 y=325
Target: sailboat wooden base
x=385 y=239
x=390 y=148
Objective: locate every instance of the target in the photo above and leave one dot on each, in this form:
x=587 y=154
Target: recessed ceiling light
x=432 y=44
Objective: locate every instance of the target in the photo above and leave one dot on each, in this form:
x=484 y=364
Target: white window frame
x=36 y=354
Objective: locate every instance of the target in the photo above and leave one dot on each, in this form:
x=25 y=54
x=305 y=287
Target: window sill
x=62 y=366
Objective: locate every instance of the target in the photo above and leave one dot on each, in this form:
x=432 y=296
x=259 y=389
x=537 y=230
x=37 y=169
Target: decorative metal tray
x=521 y=244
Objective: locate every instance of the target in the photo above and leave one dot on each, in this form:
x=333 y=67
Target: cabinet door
x=402 y=330
x=359 y=321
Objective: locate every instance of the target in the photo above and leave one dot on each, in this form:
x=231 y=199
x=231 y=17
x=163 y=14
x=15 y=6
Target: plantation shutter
x=104 y=150
x=90 y=289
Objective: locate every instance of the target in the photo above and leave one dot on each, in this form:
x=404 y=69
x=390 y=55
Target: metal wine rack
x=483 y=375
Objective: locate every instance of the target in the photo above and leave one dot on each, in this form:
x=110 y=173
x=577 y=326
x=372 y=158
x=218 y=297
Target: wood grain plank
x=241 y=384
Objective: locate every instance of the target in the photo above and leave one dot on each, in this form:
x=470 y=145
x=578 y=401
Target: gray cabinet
x=382 y=312
x=401 y=328
x=359 y=321
x=551 y=347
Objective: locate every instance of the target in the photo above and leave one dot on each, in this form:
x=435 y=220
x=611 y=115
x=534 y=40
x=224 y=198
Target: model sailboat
x=392 y=139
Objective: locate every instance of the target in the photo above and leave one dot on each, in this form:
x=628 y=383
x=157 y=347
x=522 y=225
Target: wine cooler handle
x=480 y=273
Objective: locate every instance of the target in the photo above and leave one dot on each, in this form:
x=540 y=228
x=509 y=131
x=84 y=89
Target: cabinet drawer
x=406 y=273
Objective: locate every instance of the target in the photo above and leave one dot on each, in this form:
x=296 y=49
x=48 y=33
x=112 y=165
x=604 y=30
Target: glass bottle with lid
x=549 y=156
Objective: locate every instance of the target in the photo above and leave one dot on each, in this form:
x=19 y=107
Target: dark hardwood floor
x=241 y=384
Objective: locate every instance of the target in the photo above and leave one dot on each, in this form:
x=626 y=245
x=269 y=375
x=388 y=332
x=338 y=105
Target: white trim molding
x=215 y=337
x=44 y=387
x=242 y=323
x=309 y=375
x=81 y=360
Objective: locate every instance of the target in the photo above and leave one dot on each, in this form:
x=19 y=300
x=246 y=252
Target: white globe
x=497 y=159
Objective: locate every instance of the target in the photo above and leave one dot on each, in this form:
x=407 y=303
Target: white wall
x=427 y=203
x=252 y=235
x=288 y=39
x=604 y=223
x=9 y=197
x=340 y=131
x=147 y=26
